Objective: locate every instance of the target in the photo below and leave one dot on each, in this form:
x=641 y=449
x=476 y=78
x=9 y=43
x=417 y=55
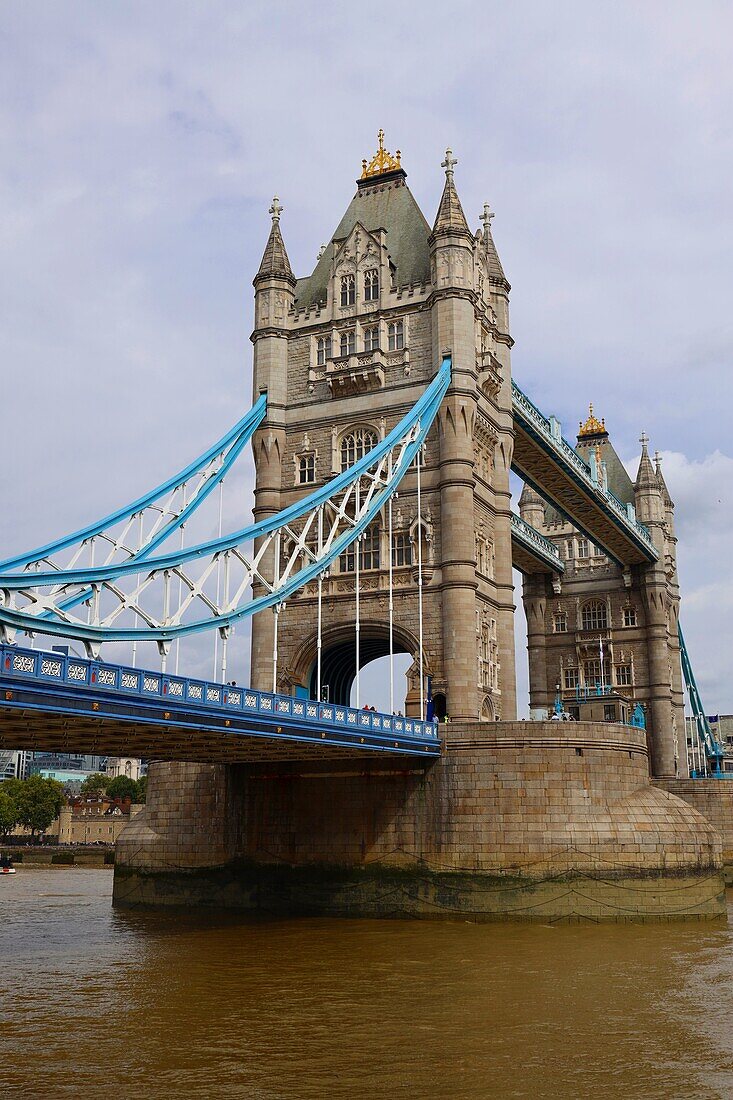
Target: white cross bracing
x=130 y=594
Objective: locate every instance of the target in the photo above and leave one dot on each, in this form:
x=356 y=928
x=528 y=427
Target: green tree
x=8 y=812
x=94 y=785
x=142 y=789
x=123 y=787
x=39 y=801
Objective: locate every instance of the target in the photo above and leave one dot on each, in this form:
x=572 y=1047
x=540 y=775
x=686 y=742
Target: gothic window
x=592 y=672
x=355 y=445
x=369 y=548
x=401 y=549
x=368 y=552
x=324 y=350
x=629 y=616
x=348 y=290
x=348 y=342
x=583 y=548
x=371 y=285
x=371 y=338
x=623 y=675
x=306 y=469
x=570 y=679
x=595 y=615
x=396 y=335
x=561 y=622
x=569 y=549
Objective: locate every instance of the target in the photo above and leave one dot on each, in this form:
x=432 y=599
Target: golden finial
x=381 y=162
x=592 y=426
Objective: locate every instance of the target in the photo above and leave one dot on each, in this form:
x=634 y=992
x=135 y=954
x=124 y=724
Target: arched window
x=306 y=469
x=561 y=622
x=371 y=285
x=324 y=350
x=371 y=338
x=348 y=343
x=595 y=615
x=355 y=445
x=348 y=290
x=396 y=335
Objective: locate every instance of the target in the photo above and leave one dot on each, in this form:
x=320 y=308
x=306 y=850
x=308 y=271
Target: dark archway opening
x=338 y=664
x=439 y=708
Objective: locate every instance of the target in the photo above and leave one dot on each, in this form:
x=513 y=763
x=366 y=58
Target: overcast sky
x=141 y=144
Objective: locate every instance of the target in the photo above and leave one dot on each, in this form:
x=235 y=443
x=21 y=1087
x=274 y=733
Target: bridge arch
x=338 y=656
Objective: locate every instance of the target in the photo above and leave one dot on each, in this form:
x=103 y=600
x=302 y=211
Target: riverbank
x=52 y=855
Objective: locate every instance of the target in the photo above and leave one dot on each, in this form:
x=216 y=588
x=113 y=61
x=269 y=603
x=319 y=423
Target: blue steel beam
x=410 y=431
x=37 y=686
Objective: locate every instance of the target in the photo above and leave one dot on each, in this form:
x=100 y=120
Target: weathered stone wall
x=521 y=820
x=713 y=798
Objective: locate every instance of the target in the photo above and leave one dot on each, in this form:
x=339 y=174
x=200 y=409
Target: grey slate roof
x=275 y=259
x=450 y=212
x=386 y=205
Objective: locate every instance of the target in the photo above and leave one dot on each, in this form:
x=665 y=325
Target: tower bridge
x=385 y=424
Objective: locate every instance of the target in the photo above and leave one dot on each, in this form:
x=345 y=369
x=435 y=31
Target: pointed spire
x=646 y=477
x=529 y=496
x=275 y=260
x=450 y=216
x=496 y=271
x=660 y=478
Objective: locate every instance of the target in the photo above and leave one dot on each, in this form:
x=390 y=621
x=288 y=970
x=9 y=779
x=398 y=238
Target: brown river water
x=96 y=1002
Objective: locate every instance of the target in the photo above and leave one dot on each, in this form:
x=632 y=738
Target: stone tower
x=604 y=623
x=343 y=354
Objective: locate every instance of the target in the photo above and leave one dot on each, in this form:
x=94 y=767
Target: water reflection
x=209 y=1005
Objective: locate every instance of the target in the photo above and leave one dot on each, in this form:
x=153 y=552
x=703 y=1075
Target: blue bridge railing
x=122 y=680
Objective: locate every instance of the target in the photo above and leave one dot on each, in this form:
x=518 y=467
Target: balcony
x=358 y=373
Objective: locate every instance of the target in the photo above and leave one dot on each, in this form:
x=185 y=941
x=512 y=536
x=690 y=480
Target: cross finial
x=486 y=218
x=276 y=209
x=449 y=163
x=380 y=137
x=643 y=439
x=657 y=459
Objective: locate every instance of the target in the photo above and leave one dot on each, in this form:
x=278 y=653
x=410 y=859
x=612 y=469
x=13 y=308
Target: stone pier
x=518 y=820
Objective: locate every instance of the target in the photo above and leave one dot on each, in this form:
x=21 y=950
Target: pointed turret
x=275 y=262
x=496 y=271
x=647 y=493
x=450 y=217
x=668 y=503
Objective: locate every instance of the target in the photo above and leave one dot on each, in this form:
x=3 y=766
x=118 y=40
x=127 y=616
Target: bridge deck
x=50 y=702
x=550 y=465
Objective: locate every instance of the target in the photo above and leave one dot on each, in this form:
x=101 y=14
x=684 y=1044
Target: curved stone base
x=516 y=821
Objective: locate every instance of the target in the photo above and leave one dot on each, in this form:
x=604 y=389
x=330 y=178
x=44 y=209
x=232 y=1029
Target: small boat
x=6 y=866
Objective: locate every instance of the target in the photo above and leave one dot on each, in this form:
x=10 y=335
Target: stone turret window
x=595 y=615
x=629 y=616
x=583 y=548
x=396 y=335
x=348 y=343
x=348 y=290
x=355 y=445
x=623 y=675
x=401 y=549
x=323 y=350
x=570 y=679
x=306 y=469
x=561 y=622
x=371 y=338
x=371 y=285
